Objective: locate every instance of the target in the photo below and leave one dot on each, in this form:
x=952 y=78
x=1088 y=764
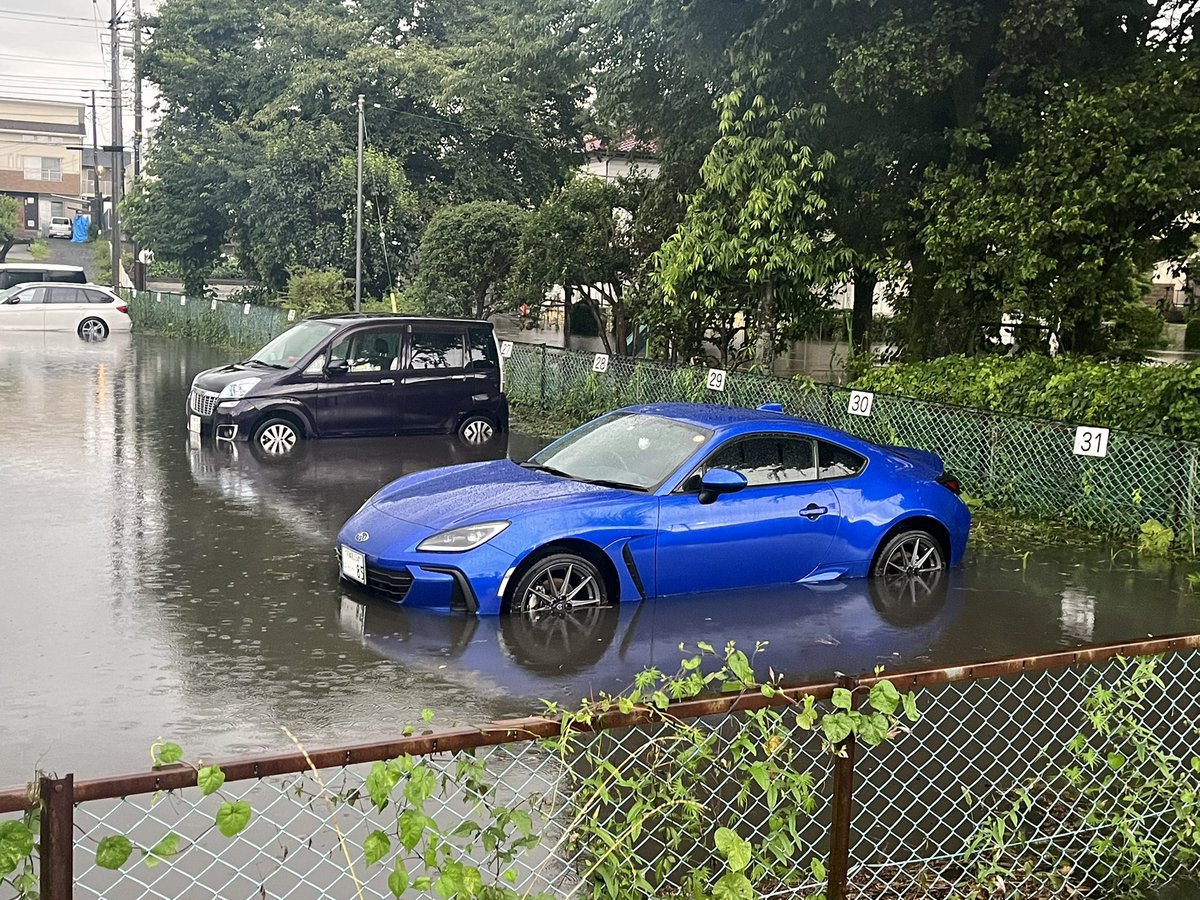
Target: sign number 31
x=1091 y=441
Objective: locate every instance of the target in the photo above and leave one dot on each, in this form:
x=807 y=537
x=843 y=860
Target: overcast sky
x=58 y=50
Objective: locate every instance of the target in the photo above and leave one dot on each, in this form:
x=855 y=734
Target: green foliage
x=102 y=260
x=1155 y=539
x=310 y=292
x=1137 y=327
x=39 y=250
x=1138 y=800
x=1154 y=399
x=467 y=252
x=17 y=870
x=10 y=216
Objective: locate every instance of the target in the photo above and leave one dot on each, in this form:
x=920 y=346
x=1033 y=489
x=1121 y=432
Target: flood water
x=152 y=587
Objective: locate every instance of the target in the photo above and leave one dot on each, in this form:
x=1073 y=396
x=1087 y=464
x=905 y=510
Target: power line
x=56 y=62
x=41 y=15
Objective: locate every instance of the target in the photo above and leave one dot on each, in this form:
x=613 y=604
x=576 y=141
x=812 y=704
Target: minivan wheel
x=277 y=437
x=476 y=430
x=93 y=329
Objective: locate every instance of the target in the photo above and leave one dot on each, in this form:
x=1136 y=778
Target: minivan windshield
x=285 y=350
x=630 y=450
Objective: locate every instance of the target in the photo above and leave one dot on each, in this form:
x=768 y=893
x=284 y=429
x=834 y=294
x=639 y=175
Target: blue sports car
x=655 y=500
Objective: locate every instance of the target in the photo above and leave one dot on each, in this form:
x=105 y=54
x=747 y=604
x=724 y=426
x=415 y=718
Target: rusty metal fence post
x=842 y=811
x=56 y=853
x=542 y=379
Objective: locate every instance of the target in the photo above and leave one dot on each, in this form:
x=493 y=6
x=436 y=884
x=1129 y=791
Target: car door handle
x=387 y=381
x=458 y=377
x=812 y=511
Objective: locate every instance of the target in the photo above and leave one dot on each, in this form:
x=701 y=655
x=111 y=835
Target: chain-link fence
x=211 y=321
x=1072 y=774
x=1029 y=465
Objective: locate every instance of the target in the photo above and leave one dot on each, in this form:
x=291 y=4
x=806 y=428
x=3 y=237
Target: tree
x=10 y=223
x=467 y=253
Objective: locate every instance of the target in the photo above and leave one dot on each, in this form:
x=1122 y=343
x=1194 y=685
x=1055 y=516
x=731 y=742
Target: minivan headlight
x=468 y=537
x=236 y=390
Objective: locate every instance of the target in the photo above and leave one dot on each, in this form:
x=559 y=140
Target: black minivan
x=357 y=375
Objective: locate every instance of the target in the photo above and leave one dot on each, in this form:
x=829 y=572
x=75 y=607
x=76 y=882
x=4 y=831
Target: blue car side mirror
x=716 y=482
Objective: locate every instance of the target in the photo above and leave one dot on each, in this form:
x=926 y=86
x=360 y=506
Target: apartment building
x=35 y=165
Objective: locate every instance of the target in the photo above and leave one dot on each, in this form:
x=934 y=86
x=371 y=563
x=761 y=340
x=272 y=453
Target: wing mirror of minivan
x=716 y=482
x=336 y=368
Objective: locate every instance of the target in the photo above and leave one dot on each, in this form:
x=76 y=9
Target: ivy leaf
x=841 y=698
x=376 y=847
x=884 y=697
x=837 y=727
x=380 y=781
x=818 y=869
x=398 y=880
x=421 y=784
x=734 y=848
x=165 y=848
x=873 y=729
x=210 y=779
x=167 y=753
x=910 y=707
x=739 y=665
x=733 y=886
x=410 y=825
x=233 y=817
x=16 y=843
x=113 y=851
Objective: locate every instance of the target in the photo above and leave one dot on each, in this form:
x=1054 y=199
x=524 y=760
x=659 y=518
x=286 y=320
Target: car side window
x=771 y=459
x=96 y=296
x=32 y=295
x=837 y=462
x=481 y=349
x=65 y=295
x=368 y=351
x=436 y=350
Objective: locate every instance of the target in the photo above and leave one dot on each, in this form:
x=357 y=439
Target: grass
x=39 y=249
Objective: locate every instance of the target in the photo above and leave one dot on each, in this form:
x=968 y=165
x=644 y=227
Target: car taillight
x=123 y=308
x=950 y=483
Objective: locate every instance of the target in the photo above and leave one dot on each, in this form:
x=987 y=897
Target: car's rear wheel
x=277 y=437
x=476 y=430
x=913 y=552
x=93 y=329
x=558 y=582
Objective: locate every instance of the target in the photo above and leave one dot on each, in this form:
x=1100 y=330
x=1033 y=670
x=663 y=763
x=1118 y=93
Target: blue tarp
x=81 y=227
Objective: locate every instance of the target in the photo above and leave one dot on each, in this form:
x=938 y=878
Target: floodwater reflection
x=809 y=631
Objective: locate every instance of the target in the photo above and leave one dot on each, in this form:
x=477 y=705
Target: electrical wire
x=382 y=240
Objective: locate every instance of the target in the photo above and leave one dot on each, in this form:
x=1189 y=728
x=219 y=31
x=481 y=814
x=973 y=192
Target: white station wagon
x=91 y=311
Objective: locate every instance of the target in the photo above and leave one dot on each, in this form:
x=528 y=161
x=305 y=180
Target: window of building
x=42 y=168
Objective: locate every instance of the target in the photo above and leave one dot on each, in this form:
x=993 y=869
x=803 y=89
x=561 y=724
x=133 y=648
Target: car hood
x=476 y=492
x=216 y=379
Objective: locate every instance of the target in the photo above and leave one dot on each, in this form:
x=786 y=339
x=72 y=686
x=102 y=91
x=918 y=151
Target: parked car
x=357 y=375
x=26 y=273
x=60 y=227
x=657 y=500
x=91 y=311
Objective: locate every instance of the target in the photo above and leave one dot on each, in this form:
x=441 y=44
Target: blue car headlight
x=468 y=537
x=236 y=390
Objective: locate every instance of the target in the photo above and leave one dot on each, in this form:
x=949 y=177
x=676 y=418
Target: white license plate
x=354 y=565
x=194 y=424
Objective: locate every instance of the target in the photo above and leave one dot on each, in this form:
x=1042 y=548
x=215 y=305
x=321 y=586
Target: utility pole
x=97 y=197
x=139 y=268
x=358 y=212
x=118 y=168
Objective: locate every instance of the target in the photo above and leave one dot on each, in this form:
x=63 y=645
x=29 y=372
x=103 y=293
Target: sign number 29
x=1091 y=441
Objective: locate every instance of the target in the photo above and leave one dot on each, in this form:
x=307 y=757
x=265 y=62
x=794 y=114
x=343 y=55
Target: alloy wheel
x=93 y=330
x=562 y=586
x=478 y=431
x=915 y=553
x=277 y=438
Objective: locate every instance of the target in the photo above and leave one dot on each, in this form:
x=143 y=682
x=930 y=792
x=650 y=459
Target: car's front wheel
x=277 y=437
x=558 y=583
x=93 y=329
x=914 y=552
x=476 y=430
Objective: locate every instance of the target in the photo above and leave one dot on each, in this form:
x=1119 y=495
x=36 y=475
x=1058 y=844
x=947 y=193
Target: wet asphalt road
x=151 y=587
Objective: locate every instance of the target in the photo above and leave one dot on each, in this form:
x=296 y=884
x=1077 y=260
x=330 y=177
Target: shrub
x=1191 y=335
x=312 y=291
x=1137 y=326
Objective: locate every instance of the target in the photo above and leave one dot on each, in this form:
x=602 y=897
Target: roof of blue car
x=718 y=417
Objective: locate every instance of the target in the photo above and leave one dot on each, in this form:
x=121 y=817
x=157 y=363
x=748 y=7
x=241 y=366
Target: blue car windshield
x=632 y=450
x=294 y=343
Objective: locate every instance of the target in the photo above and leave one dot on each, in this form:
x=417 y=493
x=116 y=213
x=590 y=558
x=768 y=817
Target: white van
x=60 y=227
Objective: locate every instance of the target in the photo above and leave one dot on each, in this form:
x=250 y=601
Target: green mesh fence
x=211 y=321
x=1028 y=465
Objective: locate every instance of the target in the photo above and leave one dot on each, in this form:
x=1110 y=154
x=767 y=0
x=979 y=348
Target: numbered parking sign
x=716 y=379
x=600 y=363
x=1091 y=441
x=213 y=304
x=245 y=309
x=506 y=349
x=860 y=403
x=291 y=315
x=182 y=301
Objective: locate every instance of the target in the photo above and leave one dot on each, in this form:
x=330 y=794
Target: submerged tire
x=557 y=583
x=913 y=552
x=277 y=437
